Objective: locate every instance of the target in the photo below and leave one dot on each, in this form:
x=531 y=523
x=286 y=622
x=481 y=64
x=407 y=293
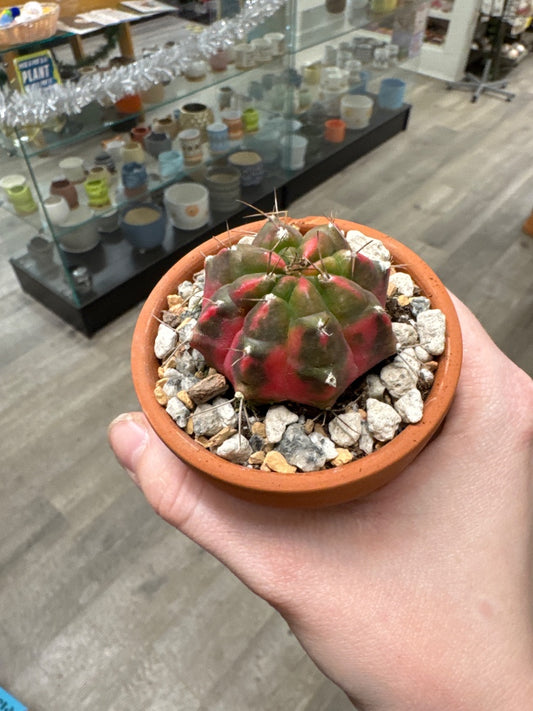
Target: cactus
x=293 y=316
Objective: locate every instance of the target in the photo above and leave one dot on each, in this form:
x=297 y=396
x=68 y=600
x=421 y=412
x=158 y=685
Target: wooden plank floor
x=102 y=605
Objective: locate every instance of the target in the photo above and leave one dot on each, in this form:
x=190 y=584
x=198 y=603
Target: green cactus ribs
x=294 y=316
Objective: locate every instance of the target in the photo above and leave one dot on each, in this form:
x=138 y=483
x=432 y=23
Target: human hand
x=416 y=597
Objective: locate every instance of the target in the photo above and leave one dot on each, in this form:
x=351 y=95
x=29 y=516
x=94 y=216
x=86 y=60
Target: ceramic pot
x=196 y=70
x=293 y=150
x=132 y=152
x=129 y=104
x=218 y=137
x=196 y=115
x=391 y=93
x=191 y=146
x=99 y=172
x=63 y=187
x=312 y=489
x=105 y=159
x=9 y=181
x=20 y=196
x=356 y=110
x=233 y=121
x=224 y=97
x=156 y=143
x=78 y=233
x=97 y=192
x=335 y=131
x=144 y=226
x=187 y=205
x=224 y=185
x=219 y=60
x=277 y=42
x=41 y=251
x=73 y=169
x=134 y=179
x=170 y=164
x=139 y=133
x=168 y=125
x=250 y=165
x=262 y=50
x=56 y=208
x=315 y=138
x=250 y=120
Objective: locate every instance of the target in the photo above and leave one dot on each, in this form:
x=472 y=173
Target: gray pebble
x=431 y=326
x=375 y=387
x=402 y=283
x=426 y=377
x=382 y=420
x=345 y=429
x=276 y=421
x=371 y=248
x=177 y=410
x=185 y=363
x=366 y=441
x=405 y=334
x=210 y=418
x=235 y=449
x=398 y=379
x=326 y=446
x=165 y=341
x=185 y=331
x=419 y=304
x=410 y=406
x=299 y=450
x=422 y=355
x=185 y=289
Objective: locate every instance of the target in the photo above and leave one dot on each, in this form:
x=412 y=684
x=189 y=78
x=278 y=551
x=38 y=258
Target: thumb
x=172 y=489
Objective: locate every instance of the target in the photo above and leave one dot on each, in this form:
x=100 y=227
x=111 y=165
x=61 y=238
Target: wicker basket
x=31 y=30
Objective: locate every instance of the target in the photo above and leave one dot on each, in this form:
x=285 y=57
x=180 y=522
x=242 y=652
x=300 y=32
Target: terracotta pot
x=311 y=489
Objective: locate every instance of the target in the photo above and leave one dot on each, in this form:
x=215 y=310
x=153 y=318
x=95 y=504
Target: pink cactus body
x=294 y=317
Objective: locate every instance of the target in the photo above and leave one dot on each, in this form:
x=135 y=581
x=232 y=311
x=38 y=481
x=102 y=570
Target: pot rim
x=306 y=489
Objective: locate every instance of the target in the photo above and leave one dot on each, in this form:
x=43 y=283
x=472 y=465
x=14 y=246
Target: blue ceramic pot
x=143 y=225
x=134 y=179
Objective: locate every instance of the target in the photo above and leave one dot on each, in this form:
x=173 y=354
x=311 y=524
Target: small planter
x=309 y=489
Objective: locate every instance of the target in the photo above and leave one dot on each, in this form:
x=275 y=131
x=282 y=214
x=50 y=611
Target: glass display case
x=116 y=192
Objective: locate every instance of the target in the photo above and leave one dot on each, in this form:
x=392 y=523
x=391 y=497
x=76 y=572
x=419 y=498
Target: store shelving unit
x=454 y=30
x=122 y=276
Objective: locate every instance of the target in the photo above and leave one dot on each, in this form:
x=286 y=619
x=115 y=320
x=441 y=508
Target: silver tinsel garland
x=39 y=105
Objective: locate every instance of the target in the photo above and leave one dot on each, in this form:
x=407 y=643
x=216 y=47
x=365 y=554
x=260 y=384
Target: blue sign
x=37 y=69
x=9 y=703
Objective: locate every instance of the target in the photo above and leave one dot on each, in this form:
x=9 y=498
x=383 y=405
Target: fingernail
x=128 y=437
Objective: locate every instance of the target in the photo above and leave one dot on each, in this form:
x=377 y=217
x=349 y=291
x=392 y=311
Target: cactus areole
x=294 y=316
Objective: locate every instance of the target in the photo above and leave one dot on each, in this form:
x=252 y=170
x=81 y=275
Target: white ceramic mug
x=187 y=205
x=72 y=168
x=293 y=150
x=356 y=110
